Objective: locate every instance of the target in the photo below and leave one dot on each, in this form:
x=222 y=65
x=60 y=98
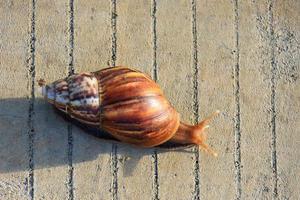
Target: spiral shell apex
x=124 y=102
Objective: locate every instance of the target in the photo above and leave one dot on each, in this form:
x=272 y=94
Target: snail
x=127 y=104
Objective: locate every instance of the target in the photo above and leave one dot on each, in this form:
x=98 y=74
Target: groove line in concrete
x=155 y=77
x=114 y=170
x=71 y=70
x=31 y=83
x=114 y=32
x=237 y=117
x=154 y=40
x=273 y=100
x=114 y=150
x=196 y=193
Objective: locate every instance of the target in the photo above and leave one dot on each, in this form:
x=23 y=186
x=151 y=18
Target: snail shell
x=127 y=104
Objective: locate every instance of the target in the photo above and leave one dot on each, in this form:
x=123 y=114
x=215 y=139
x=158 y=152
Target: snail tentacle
x=189 y=134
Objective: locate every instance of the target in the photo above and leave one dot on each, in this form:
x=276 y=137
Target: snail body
x=125 y=103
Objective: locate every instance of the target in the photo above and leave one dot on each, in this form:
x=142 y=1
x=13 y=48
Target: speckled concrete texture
x=240 y=57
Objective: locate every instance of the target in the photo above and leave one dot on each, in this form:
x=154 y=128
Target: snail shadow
x=35 y=131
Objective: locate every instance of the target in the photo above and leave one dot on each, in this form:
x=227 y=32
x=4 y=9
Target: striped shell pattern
x=124 y=102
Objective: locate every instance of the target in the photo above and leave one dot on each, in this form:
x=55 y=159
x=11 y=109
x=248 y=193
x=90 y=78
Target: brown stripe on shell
x=162 y=135
x=61 y=92
x=92 y=113
x=147 y=126
x=81 y=85
x=110 y=70
x=108 y=74
x=86 y=119
x=133 y=90
x=106 y=88
x=61 y=107
x=84 y=98
x=135 y=110
x=114 y=80
x=173 y=115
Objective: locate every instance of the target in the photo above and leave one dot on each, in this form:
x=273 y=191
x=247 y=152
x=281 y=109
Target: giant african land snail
x=127 y=104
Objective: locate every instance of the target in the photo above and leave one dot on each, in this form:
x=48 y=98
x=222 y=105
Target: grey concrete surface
x=241 y=57
x=258 y=184
x=217 y=52
x=14 y=102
